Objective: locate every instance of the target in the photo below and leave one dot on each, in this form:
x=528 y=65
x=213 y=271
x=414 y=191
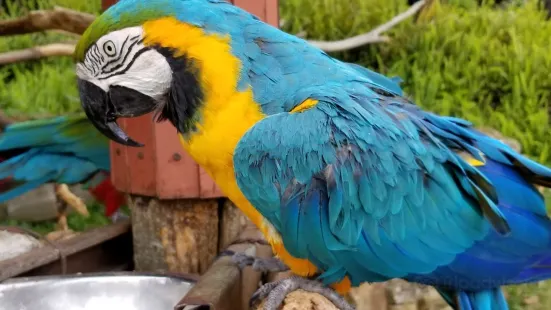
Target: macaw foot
x=72 y=200
x=62 y=222
x=275 y=292
x=271 y=264
x=60 y=234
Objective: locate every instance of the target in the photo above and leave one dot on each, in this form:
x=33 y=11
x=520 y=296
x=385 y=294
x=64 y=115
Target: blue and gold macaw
x=348 y=180
x=62 y=150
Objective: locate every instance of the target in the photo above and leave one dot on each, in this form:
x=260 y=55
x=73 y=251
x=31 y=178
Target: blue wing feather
x=65 y=149
x=341 y=172
x=374 y=188
x=367 y=185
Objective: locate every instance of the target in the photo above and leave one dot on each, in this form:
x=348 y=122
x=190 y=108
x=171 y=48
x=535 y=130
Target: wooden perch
x=54 y=19
x=298 y=299
x=374 y=36
x=302 y=300
x=37 y=52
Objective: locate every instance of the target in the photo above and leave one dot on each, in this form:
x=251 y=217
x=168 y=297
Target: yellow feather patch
x=226 y=114
x=305 y=105
x=473 y=161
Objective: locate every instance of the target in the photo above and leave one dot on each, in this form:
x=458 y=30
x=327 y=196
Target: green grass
x=486 y=65
x=44 y=87
x=75 y=221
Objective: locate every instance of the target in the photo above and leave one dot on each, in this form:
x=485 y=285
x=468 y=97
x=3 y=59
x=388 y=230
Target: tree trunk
x=174 y=235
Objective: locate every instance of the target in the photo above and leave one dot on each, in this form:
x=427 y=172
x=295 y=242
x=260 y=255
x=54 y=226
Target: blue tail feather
x=523 y=256
x=481 y=300
x=537 y=272
x=25 y=187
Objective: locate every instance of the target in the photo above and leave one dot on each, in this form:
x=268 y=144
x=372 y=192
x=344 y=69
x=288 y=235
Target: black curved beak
x=103 y=108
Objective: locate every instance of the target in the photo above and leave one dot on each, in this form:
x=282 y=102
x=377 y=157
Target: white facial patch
x=120 y=58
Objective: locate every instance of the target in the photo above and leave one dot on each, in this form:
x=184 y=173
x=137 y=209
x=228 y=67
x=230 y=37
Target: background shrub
x=490 y=66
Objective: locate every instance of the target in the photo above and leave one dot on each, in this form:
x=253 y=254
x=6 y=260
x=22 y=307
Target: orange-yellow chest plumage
x=226 y=115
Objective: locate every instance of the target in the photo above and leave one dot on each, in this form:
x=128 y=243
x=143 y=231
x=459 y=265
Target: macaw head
x=157 y=55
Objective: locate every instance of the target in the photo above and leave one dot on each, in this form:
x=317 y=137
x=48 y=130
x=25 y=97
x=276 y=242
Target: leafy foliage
x=490 y=66
x=75 y=221
x=44 y=87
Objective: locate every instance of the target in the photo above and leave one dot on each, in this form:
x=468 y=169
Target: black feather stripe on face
x=185 y=96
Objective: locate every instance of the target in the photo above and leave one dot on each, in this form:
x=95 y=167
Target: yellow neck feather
x=226 y=114
x=218 y=67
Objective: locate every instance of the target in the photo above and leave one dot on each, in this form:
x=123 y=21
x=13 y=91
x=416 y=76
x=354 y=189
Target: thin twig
x=302 y=34
x=67 y=33
x=76 y=22
x=54 y=19
x=37 y=52
x=373 y=36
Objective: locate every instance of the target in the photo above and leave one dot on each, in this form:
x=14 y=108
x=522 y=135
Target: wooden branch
x=37 y=52
x=67 y=33
x=374 y=36
x=54 y=19
x=62 y=19
x=302 y=300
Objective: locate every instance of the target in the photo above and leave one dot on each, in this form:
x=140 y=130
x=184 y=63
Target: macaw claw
x=275 y=293
x=72 y=200
x=271 y=264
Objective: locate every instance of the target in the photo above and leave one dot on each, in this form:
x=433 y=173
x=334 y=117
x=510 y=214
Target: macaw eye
x=109 y=48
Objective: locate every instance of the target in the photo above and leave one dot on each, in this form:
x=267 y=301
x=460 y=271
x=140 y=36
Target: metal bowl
x=106 y=291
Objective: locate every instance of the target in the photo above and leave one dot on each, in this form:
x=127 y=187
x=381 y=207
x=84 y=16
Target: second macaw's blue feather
x=65 y=149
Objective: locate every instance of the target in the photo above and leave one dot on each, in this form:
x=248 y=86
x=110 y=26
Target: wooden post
x=179 y=235
x=180 y=219
x=219 y=286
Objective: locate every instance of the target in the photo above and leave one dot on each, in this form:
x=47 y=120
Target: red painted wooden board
x=162 y=168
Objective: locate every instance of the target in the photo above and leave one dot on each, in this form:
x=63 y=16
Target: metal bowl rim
x=177 y=276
